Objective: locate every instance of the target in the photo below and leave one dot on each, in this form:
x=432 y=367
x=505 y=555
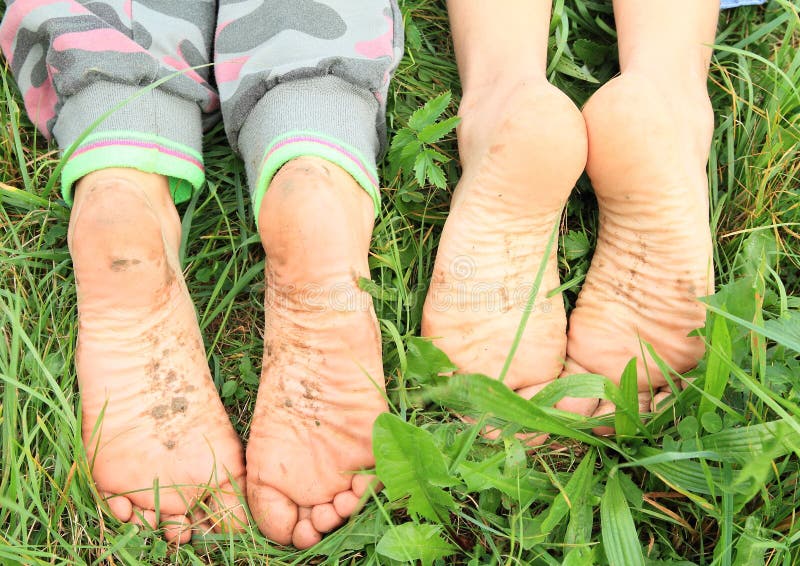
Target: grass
x=713 y=479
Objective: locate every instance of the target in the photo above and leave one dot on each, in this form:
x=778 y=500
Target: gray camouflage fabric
x=279 y=67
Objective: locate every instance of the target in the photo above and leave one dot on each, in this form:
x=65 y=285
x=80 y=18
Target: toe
x=227 y=509
x=275 y=514
x=177 y=529
x=577 y=405
x=120 y=506
x=201 y=524
x=659 y=400
x=324 y=518
x=346 y=503
x=305 y=535
x=362 y=482
x=604 y=408
x=144 y=518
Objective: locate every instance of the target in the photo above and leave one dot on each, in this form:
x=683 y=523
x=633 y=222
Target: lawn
x=712 y=479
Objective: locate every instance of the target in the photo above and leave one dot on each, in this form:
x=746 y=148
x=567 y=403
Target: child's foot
x=522 y=149
x=156 y=434
x=647 y=157
x=322 y=378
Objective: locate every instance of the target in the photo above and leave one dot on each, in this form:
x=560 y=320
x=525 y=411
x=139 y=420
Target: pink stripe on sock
x=97 y=40
x=142 y=144
x=333 y=146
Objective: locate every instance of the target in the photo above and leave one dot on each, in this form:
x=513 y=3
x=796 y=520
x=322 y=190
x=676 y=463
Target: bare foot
x=647 y=158
x=156 y=434
x=522 y=149
x=322 y=377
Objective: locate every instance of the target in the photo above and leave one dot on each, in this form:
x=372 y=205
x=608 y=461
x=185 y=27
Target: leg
x=309 y=131
x=649 y=136
x=522 y=144
x=150 y=411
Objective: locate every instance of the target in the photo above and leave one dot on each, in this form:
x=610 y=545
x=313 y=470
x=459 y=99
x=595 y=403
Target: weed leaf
x=410 y=542
x=430 y=112
x=426 y=361
x=627 y=416
x=620 y=540
x=717 y=372
x=482 y=395
x=580 y=482
x=409 y=465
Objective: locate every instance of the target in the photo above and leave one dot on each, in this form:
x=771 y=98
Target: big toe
x=275 y=514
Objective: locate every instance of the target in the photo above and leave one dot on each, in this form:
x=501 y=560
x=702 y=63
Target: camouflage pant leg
x=76 y=59
x=306 y=77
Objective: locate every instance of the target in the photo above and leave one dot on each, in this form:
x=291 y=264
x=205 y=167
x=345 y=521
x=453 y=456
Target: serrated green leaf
x=620 y=541
x=430 y=112
x=438 y=130
x=566 y=66
x=409 y=465
x=410 y=542
x=436 y=176
x=421 y=164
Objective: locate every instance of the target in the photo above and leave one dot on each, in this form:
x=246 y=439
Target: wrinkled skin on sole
x=157 y=437
x=654 y=253
x=322 y=382
x=522 y=149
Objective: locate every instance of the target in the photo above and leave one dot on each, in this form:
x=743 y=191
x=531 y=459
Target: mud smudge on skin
x=121 y=264
x=179 y=404
x=159 y=412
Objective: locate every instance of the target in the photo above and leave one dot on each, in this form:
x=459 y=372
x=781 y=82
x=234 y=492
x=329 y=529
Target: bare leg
x=322 y=379
x=522 y=145
x=649 y=135
x=150 y=409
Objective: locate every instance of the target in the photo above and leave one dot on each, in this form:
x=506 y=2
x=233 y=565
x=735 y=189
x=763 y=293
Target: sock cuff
x=149 y=130
x=324 y=117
